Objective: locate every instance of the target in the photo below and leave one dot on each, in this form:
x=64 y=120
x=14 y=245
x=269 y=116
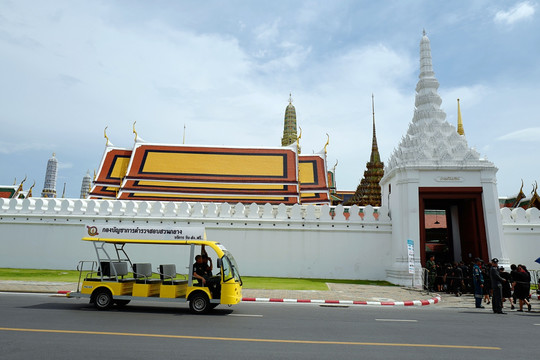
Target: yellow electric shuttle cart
x=115 y=280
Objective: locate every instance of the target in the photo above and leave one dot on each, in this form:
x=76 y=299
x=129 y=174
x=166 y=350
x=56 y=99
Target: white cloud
x=524 y=135
x=519 y=12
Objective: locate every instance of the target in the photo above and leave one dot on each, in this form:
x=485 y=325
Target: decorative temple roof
x=211 y=174
x=289 y=125
x=368 y=191
x=8 y=191
x=430 y=140
x=521 y=200
x=313 y=179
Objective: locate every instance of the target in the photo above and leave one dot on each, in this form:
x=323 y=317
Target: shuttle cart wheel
x=103 y=299
x=199 y=303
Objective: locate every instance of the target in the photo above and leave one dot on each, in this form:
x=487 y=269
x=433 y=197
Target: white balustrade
x=253 y=211
x=170 y=209
x=282 y=212
x=338 y=213
x=183 y=210
x=239 y=211
x=325 y=213
x=268 y=211
x=211 y=210
x=225 y=210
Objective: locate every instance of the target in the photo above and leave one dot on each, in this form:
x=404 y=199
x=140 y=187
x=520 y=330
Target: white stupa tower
x=85 y=186
x=433 y=167
x=49 y=188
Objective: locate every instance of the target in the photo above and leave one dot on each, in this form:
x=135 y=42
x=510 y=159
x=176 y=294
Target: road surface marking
x=396 y=320
x=245 y=315
x=216 y=338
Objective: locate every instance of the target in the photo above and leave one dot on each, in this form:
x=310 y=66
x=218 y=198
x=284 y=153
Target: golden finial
x=327 y=142
x=30 y=190
x=15 y=181
x=459 y=121
x=135 y=132
x=290 y=98
x=94 y=175
x=334 y=168
x=105 y=135
x=184 y=138
x=298 y=139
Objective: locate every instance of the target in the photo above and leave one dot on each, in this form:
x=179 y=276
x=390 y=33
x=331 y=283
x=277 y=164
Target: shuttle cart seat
x=142 y=272
x=167 y=273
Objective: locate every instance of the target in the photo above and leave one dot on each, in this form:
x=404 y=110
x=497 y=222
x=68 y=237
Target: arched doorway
x=463 y=237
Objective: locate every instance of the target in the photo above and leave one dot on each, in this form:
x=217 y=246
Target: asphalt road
x=43 y=327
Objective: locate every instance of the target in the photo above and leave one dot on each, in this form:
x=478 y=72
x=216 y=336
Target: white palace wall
x=521 y=234
x=280 y=241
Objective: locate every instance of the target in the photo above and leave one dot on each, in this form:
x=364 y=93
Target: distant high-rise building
x=49 y=188
x=86 y=183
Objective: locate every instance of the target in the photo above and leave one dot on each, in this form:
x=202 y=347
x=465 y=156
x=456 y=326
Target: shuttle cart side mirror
x=219 y=263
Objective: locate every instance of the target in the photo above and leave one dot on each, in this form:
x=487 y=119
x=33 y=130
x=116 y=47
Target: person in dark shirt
x=199 y=270
x=522 y=287
x=496 y=285
x=506 y=287
x=478 y=281
x=457 y=279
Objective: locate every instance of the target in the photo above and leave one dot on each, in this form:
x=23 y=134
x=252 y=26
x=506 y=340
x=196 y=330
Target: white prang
x=430 y=139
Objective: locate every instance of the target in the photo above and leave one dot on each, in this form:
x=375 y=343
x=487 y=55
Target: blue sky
x=225 y=69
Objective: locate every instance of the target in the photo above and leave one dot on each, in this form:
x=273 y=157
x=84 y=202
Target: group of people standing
x=488 y=282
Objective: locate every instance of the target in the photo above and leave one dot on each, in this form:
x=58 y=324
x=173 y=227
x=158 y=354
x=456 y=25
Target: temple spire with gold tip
x=49 y=188
x=368 y=191
x=459 y=120
x=289 y=125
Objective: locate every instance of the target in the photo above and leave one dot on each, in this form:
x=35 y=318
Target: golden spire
x=459 y=120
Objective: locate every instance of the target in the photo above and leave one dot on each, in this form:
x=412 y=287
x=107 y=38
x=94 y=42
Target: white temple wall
x=281 y=241
x=521 y=236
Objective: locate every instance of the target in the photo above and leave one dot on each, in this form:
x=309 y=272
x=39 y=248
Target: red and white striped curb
x=431 y=301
